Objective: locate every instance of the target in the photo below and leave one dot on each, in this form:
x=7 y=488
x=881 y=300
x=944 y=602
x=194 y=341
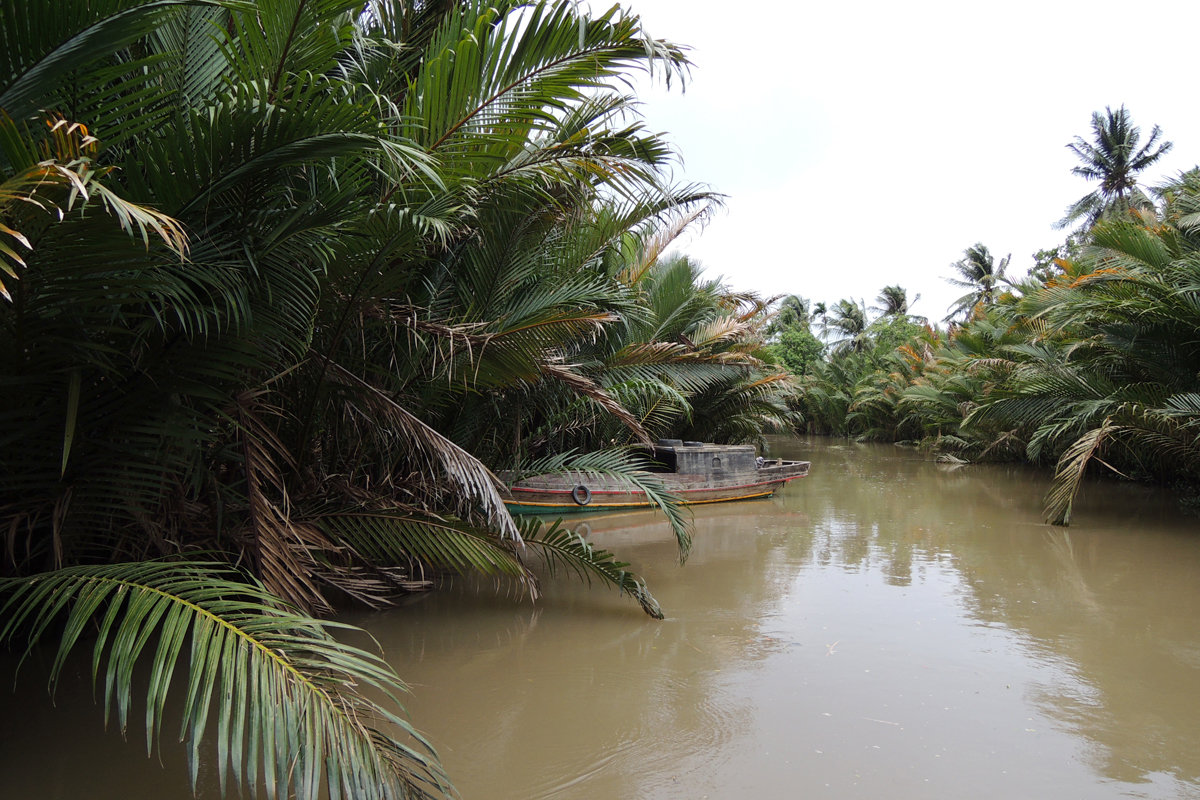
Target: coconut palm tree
x=792 y=312
x=978 y=271
x=1114 y=159
x=846 y=325
x=819 y=312
x=892 y=302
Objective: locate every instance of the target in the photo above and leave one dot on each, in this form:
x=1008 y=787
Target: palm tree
x=847 y=324
x=357 y=182
x=1109 y=378
x=1113 y=158
x=982 y=274
x=792 y=312
x=820 y=311
x=893 y=301
x=696 y=365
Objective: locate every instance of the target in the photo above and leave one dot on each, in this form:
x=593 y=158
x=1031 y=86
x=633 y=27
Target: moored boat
x=696 y=472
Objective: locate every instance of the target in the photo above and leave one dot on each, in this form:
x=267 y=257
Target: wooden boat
x=696 y=472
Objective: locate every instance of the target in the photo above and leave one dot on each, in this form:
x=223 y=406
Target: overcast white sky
x=863 y=144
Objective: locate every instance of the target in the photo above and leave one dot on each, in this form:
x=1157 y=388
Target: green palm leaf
x=397 y=537
x=475 y=484
x=494 y=79
x=627 y=466
x=47 y=172
x=291 y=711
x=561 y=548
x=43 y=43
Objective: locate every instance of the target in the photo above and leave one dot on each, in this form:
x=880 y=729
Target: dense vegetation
x=285 y=283
x=1089 y=363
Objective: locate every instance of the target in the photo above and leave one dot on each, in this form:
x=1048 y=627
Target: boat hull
x=566 y=494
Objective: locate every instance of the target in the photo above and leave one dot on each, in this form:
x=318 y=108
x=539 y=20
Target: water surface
x=887 y=627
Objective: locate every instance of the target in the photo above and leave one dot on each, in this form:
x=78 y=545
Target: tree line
x=1088 y=363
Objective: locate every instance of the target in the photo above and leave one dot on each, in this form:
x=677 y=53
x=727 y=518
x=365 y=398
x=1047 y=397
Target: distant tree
x=1114 y=159
x=846 y=324
x=1047 y=263
x=818 y=313
x=893 y=301
x=978 y=271
x=793 y=312
x=791 y=338
x=892 y=331
x=798 y=349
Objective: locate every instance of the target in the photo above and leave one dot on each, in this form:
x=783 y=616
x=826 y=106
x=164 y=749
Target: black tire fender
x=582 y=495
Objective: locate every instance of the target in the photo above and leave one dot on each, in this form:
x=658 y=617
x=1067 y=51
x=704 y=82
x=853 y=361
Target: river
x=887 y=627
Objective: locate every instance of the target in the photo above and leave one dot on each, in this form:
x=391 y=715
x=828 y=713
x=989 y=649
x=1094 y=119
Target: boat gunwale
x=636 y=504
x=633 y=490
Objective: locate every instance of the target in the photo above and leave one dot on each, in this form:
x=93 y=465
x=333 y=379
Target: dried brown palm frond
x=585 y=386
x=281 y=547
x=658 y=242
x=474 y=482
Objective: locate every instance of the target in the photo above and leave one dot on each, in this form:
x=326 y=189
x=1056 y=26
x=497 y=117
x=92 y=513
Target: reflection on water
x=887 y=627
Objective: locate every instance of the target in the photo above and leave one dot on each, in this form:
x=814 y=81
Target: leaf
x=71 y=416
x=288 y=697
x=473 y=480
x=1069 y=474
x=623 y=464
x=564 y=549
x=397 y=537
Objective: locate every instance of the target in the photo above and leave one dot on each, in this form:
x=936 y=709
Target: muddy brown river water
x=885 y=628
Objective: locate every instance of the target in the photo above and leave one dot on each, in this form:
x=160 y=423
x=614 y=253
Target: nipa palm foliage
x=694 y=364
x=275 y=669
x=1096 y=367
x=271 y=270
x=857 y=389
x=1087 y=363
x=1112 y=379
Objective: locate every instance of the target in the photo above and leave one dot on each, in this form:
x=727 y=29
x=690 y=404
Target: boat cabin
x=702 y=459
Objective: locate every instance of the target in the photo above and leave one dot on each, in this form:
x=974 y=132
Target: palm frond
x=287 y=696
x=624 y=464
x=561 y=548
x=45 y=43
x=588 y=388
x=387 y=537
x=475 y=482
x=1069 y=474
x=51 y=172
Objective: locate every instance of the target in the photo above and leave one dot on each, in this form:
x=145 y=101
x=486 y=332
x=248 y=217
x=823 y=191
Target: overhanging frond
x=564 y=549
x=625 y=465
x=285 y=694
x=1070 y=471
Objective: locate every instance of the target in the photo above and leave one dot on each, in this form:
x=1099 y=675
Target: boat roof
x=680 y=444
